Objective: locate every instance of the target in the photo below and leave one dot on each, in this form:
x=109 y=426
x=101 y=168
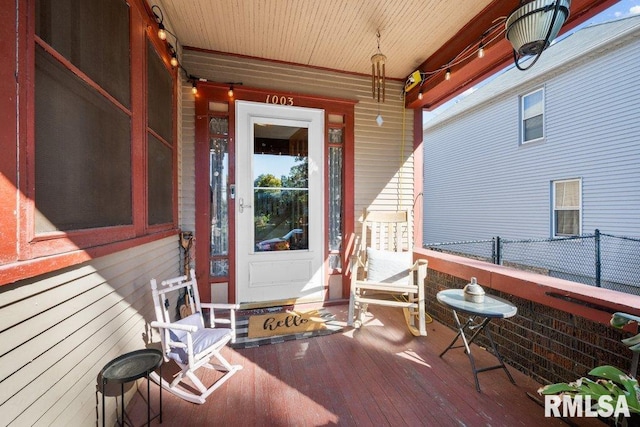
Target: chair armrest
x=419 y=271
x=177 y=326
x=213 y=319
x=421 y=263
x=219 y=306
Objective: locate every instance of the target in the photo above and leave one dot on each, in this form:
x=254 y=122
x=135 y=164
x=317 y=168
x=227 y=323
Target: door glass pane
x=335 y=198
x=280 y=188
x=218 y=179
x=335 y=135
x=219 y=125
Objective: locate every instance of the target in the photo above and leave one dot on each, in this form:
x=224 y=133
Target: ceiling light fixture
x=532 y=27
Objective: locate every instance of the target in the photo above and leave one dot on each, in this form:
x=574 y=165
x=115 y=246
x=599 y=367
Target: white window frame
x=526 y=116
x=555 y=208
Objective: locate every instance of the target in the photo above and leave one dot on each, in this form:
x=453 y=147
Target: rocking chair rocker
x=188 y=342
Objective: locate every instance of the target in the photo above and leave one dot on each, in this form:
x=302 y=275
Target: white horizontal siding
x=58 y=331
x=187 y=161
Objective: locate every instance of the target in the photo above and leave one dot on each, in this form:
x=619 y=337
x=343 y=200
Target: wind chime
x=377 y=78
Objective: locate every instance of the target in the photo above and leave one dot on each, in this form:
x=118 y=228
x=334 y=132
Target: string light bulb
x=174 y=60
x=162 y=33
x=420 y=95
x=194 y=88
x=230 y=91
x=481 y=51
x=447 y=75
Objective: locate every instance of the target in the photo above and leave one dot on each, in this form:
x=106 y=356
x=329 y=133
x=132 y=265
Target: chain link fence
x=598 y=259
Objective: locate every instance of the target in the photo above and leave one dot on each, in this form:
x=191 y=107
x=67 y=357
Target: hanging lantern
x=533 y=25
x=377 y=74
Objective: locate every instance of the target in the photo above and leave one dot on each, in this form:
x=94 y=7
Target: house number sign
x=282 y=100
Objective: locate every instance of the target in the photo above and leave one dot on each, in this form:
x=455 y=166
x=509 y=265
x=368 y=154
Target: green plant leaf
x=631 y=340
x=557 y=389
x=596 y=388
x=609 y=372
x=618 y=320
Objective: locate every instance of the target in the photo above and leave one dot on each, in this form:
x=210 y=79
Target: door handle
x=241 y=204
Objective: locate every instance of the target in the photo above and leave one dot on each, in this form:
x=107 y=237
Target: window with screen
x=567 y=201
x=96 y=114
x=160 y=139
x=82 y=136
x=532 y=113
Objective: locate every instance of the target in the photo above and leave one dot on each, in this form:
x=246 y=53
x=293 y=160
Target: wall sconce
x=533 y=25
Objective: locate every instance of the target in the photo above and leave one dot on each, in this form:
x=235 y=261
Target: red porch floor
x=379 y=375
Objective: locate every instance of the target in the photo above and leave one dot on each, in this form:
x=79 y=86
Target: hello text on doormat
x=285 y=323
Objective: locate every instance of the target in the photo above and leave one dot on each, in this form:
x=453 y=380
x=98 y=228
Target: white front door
x=279 y=203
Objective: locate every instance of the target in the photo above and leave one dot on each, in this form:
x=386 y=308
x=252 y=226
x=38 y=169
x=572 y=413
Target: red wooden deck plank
x=378 y=375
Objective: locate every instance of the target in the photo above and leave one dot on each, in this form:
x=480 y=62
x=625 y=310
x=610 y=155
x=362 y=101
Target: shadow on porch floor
x=379 y=375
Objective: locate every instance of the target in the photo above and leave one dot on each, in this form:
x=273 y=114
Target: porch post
x=418 y=176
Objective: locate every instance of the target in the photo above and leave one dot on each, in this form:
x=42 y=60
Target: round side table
x=480 y=314
x=130 y=367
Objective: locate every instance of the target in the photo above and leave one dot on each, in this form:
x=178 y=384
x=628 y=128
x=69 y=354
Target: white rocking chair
x=188 y=342
x=383 y=272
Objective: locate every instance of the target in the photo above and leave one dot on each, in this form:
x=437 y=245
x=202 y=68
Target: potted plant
x=612 y=392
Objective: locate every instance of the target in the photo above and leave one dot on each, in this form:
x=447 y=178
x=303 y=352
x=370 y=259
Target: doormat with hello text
x=279 y=324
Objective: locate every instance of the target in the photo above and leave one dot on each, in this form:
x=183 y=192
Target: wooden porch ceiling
x=341 y=35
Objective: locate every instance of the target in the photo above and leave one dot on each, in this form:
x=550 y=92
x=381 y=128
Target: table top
x=131 y=366
x=491 y=307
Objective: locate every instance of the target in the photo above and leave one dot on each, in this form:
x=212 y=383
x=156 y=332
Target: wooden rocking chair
x=187 y=341
x=383 y=272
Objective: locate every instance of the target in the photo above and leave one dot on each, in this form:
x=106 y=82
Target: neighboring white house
x=549 y=152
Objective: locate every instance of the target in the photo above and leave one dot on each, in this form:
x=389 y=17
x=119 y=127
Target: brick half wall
x=561 y=330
